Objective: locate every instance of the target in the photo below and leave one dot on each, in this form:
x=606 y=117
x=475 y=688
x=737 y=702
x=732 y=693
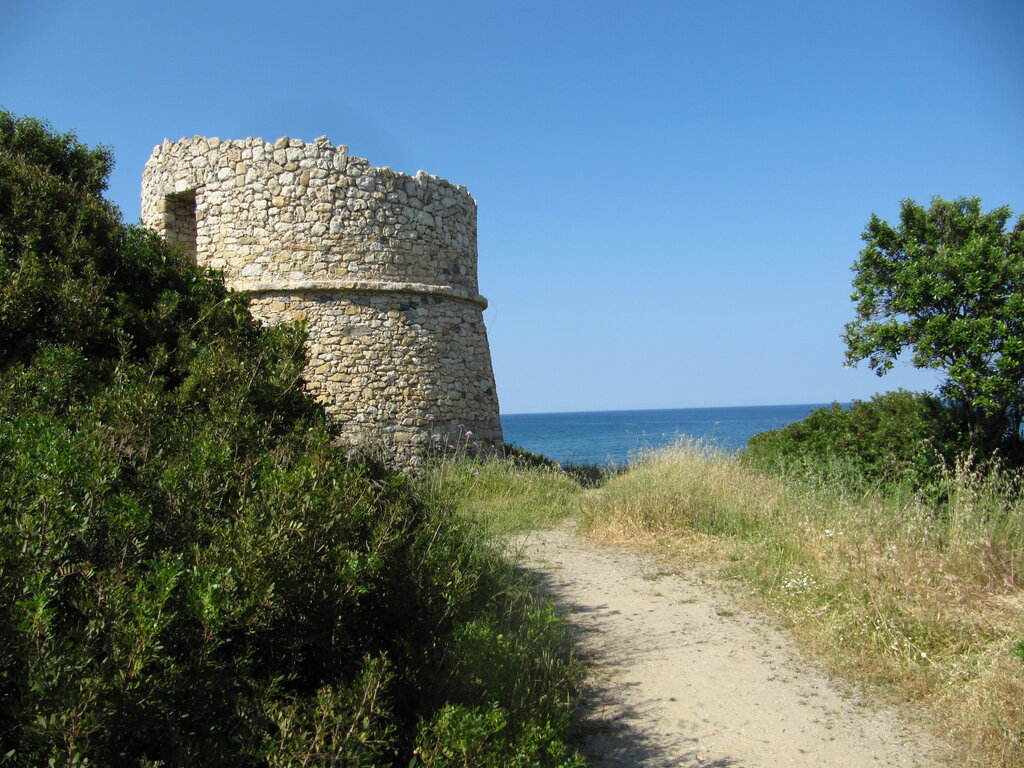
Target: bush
x=191 y=571
x=896 y=437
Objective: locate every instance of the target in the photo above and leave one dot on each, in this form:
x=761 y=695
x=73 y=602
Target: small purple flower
x=452 y=447
x=430 y=417
x=435 y=437
x=462 y=426
x=469 y=433
x=476 y=474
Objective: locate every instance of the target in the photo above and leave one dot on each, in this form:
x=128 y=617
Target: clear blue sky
x=671 y=193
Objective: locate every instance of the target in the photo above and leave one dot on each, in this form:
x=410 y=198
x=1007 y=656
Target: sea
x=615 y=438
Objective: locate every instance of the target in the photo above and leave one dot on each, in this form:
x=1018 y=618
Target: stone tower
x=381 y=267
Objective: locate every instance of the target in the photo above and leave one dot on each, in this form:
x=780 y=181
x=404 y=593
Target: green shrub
x=896 y=437
x=191 y=571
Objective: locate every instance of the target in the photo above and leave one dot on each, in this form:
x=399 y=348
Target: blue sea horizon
x=614 y=438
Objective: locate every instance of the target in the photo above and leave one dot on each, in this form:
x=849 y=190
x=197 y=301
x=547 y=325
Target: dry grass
x=923 y=601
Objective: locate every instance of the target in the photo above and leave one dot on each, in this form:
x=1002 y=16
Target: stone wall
x=380 y=265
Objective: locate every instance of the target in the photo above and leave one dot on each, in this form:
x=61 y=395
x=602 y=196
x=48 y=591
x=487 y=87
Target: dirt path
x=682 y=678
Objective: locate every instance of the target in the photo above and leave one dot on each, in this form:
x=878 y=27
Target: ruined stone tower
x=380 y=265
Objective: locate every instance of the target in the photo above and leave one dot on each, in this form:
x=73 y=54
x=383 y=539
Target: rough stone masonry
x=381 y=266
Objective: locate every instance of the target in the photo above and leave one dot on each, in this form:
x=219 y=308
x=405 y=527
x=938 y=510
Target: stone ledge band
x=356 y=286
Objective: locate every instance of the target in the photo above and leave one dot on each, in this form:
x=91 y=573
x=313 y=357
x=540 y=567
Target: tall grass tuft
x=690 y=490
x=917 y=593
x=502 y=493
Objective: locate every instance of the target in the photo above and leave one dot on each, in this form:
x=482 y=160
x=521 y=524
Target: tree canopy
x=945 y=286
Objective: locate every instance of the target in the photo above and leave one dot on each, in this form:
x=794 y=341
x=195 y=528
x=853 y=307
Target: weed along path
x=679 y=677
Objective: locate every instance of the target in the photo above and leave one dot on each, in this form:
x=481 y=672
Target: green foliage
x=896 y=437
x=460 y=737
x=520 y=650
x=505 y=495
x=946 y=284
x=1018 y=651
x=191 y=571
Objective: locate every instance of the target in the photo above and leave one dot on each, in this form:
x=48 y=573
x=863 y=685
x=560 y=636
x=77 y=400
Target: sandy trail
x=682 y=678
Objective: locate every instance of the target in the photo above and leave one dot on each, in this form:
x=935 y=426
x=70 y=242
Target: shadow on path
x=617 y=734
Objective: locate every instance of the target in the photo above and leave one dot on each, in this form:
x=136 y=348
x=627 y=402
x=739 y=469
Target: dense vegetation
x=191 y=572
x=945 y=286
x=898 y=438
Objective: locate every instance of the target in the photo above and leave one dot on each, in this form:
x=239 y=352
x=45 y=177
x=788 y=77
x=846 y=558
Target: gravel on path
x=679 y=676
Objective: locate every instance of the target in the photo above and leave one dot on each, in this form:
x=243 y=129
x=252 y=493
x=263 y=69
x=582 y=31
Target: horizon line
x=686 y=408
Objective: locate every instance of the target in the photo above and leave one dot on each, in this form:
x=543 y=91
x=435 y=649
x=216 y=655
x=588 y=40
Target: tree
x=946 y=285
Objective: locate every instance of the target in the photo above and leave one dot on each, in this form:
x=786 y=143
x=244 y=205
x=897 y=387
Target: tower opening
x=180 y=220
